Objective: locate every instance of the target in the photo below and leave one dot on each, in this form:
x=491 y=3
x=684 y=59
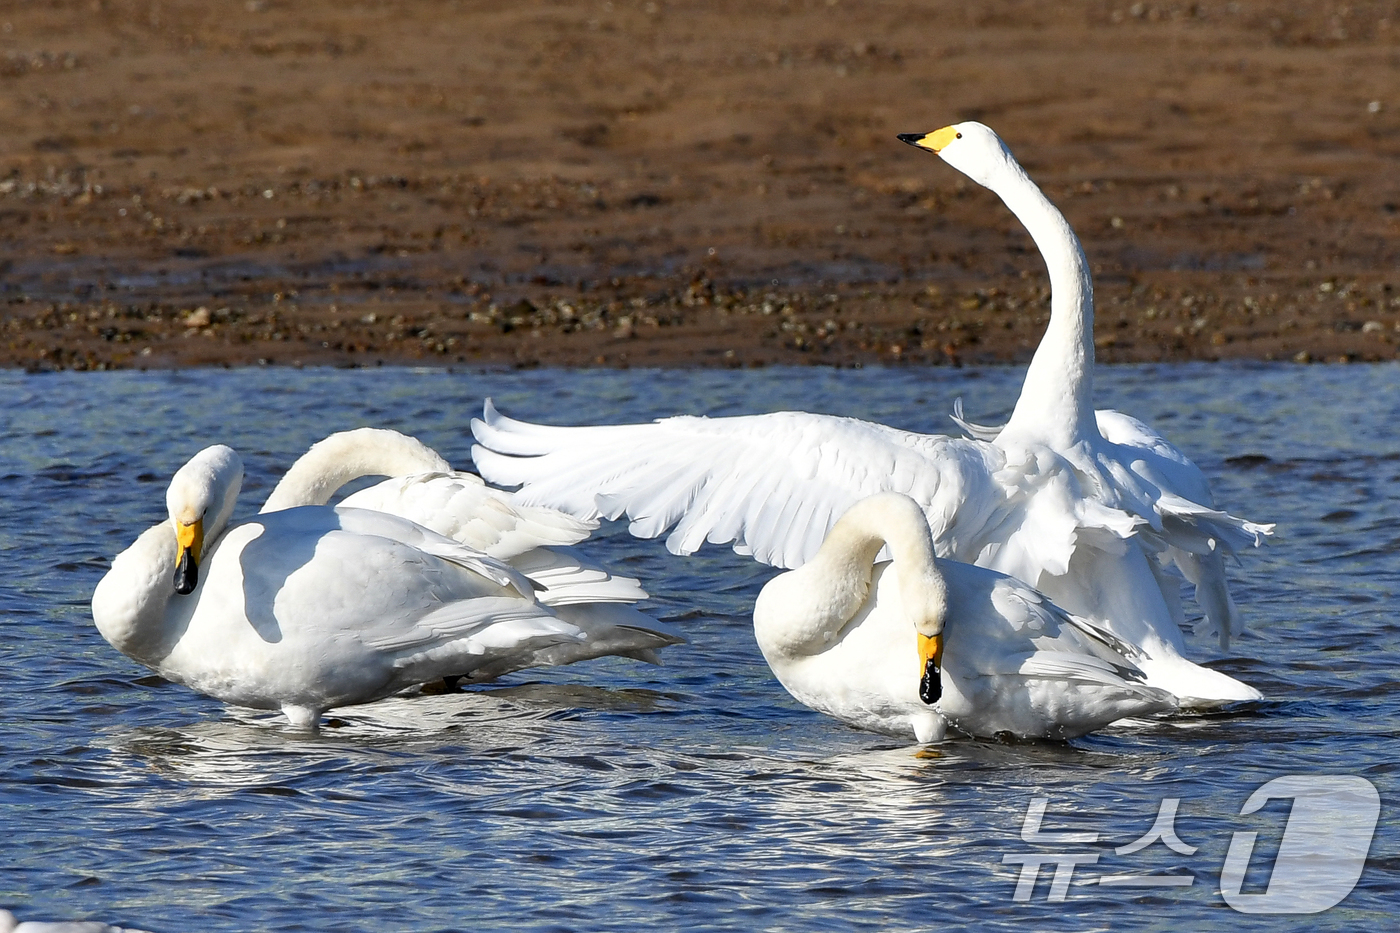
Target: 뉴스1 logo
x=1325 y=842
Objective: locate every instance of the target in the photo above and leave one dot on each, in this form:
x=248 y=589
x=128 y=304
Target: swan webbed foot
x=437 y=688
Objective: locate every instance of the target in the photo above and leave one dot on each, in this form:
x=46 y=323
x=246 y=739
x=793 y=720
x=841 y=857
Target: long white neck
x=1056 y=403
x=347 y=456
x=802 y=612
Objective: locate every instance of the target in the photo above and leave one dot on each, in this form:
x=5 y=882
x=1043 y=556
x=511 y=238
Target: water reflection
x=249 y=748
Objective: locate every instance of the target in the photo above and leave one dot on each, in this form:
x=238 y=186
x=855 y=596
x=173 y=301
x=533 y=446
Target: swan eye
x=959 y=136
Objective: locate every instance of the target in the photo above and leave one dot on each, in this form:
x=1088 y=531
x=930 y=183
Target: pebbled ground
x=686 y=183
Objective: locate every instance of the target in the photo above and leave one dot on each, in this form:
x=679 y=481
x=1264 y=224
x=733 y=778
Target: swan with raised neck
x=1047 y=498
x=1056 y=401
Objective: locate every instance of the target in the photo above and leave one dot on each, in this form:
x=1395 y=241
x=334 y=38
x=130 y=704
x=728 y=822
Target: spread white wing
x=772 y=484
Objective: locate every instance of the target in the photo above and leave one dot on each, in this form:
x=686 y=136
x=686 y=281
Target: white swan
x=310 y=608
x=1081 y=506
x=927 y=644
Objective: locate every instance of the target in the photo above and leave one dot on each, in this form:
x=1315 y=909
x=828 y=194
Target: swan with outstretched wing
x=1084 y=513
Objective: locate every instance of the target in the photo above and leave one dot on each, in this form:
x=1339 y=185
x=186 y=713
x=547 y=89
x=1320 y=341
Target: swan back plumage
x=534 y=541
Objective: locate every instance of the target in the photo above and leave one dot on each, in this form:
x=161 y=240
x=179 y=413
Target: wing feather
x=487 y=621
x=1192 y=533
x=385 y=525
x=770 y=484
x=565 y=578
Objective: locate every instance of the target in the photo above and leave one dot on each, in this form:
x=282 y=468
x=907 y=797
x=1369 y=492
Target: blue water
x=698 y=795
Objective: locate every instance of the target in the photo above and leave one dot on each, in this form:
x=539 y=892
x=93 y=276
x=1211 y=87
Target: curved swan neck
x=347 y=456
x=894 y=521
x=1056 y=402
x=803 y=613
x=871 y=524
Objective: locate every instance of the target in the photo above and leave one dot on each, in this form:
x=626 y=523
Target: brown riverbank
x=687 y=183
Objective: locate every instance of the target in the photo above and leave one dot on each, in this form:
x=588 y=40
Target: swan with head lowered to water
x=915 y=645
x=308 y=608
x=1084 y=506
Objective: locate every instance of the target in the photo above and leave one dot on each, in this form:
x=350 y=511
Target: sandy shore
x=687 y=183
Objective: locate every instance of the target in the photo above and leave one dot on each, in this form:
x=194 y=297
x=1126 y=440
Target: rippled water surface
x=619 y=796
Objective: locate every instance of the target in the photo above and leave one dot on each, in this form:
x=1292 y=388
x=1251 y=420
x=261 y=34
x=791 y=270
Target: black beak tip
x=931 y=684
x=186 y=576
x=910 y=138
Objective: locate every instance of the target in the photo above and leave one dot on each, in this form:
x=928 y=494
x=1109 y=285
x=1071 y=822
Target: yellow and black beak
x=931 y=668
x=190 y=542
x=933 y=142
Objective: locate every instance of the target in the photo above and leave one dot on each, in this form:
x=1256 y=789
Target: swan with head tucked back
x=1084 y=506
x=308 y=608
x=915 y=645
